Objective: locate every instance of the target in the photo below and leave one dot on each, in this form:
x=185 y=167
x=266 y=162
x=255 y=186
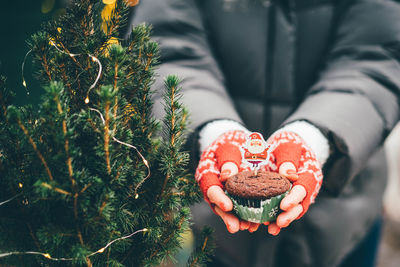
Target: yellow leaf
x=109 y=2
x=110 y=42
x=128 y=2
x=107 y=11
x=104 y=27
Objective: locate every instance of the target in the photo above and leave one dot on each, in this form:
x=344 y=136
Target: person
x=324 y=73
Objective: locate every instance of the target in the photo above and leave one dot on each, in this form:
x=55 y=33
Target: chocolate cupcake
x=256 y=198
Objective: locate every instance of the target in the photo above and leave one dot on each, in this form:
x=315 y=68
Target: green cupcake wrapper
x=267 y=213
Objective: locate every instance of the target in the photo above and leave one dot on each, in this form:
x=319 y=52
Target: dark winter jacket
x=334 y=64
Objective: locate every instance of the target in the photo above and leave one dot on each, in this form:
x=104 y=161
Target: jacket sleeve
x=355 y=101
x=185 y=51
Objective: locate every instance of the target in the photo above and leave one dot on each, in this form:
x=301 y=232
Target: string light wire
x=117 y=239
x=145 y=162
x=87 y=100
x=48 y=256
x=10 y=199
x=56 y=47
x=101 y=250
x=94 y=59
x=22 y=71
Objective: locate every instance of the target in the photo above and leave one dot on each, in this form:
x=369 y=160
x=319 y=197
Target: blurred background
x=389 y=251
x=20 y=18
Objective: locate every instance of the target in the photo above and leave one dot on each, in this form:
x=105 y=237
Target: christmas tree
x=87 y=177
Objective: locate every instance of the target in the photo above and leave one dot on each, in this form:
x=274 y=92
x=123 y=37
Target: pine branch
x=172 y=117
x=34 y=238
x=79 y=233
x=115 y=87
x=46 y=67
x=58 y=190
x=107 y=136
x=55 y=89
x=169 y=237
x=65 y=78
x=14 y=114
x=204 y=250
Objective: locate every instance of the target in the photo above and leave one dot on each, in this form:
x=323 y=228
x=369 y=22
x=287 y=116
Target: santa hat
x=255 y=136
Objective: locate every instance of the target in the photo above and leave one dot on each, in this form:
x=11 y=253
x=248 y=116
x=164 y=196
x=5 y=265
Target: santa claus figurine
x=255 y=150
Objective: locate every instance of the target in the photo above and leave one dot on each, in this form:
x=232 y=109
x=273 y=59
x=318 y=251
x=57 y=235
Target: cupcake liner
x=257 y=211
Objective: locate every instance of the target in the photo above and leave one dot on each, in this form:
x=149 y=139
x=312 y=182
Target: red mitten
x=285 y=147
x=224 y=149
x=289 y=147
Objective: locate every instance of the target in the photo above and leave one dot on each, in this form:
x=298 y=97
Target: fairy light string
x=52 y=43
x=145 y=162
x=22 y=72
x=115 y=240
x=48 y=256
x=87 y=100
x=20 y=185
x=93 y=58
x=10 y=199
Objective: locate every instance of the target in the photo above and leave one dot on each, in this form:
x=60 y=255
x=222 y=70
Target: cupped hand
x=291 y=207
x=298 y=163
x=291 y=204
x=223 y=208
x=224 y=205
x=219 y=161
